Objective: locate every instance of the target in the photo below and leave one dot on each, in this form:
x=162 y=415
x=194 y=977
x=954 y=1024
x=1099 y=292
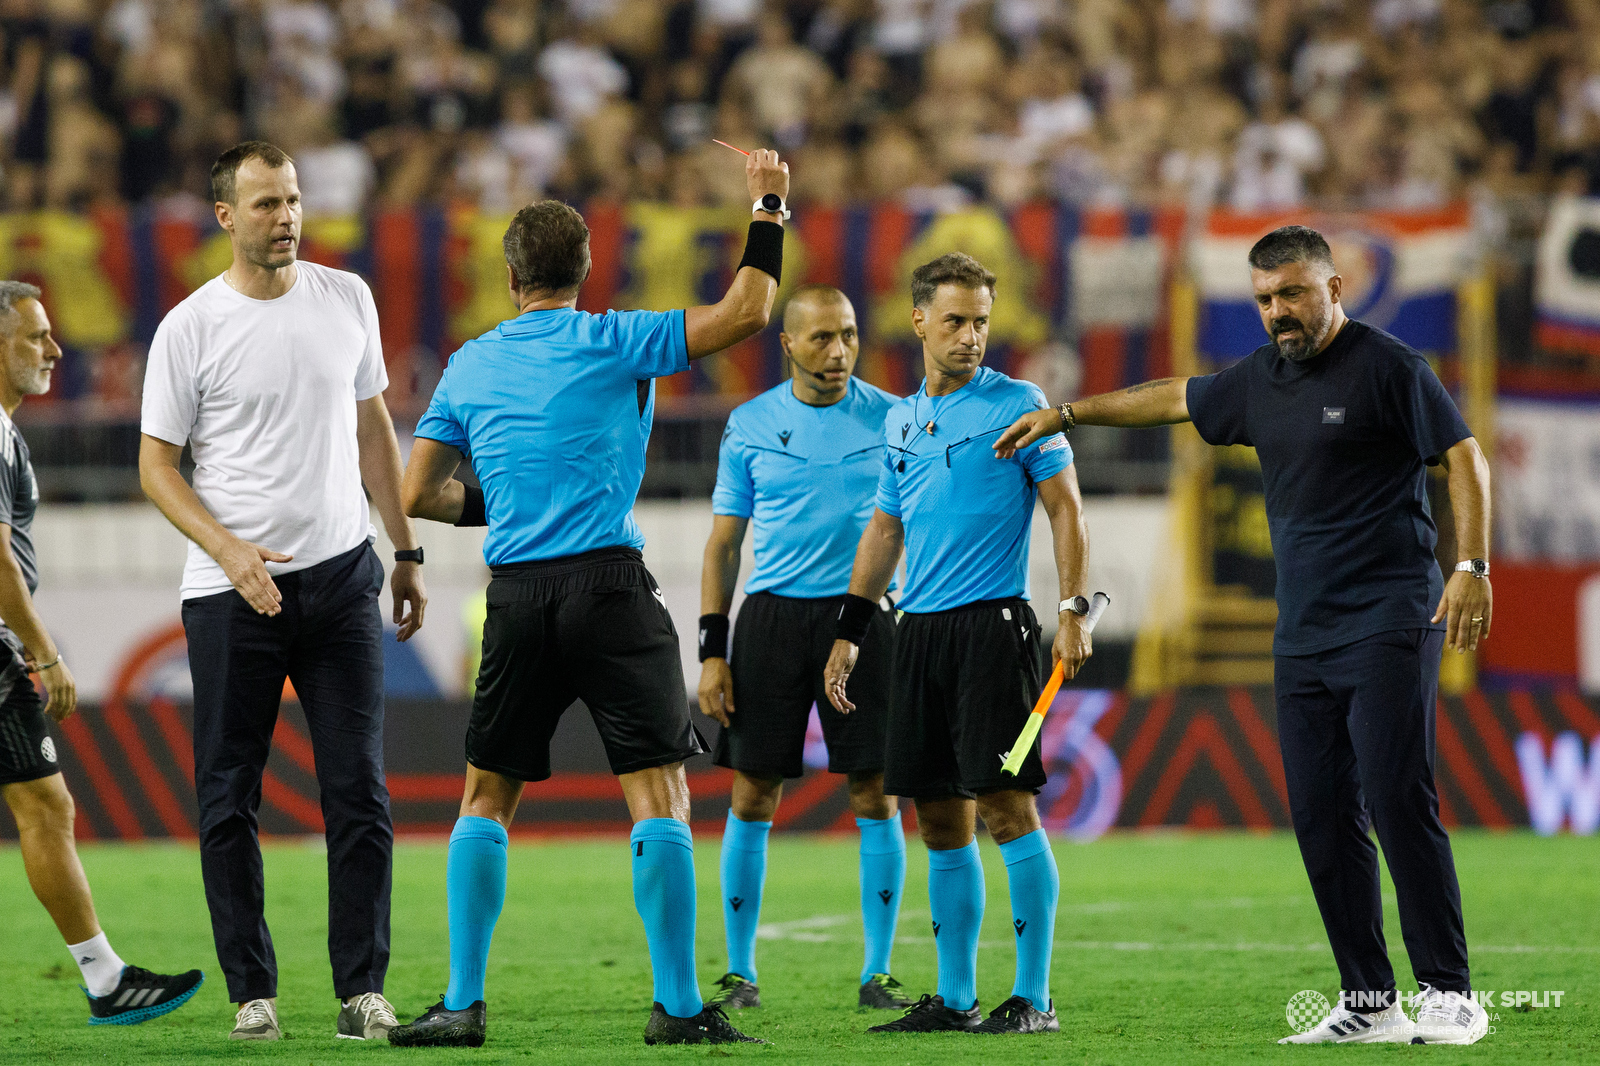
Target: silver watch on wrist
x=1475 y=567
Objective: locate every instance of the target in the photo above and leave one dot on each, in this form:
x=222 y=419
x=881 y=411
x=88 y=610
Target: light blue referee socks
x=883 y=880
x=955 y=896
x=663 y=892
x=475 y=888
x=744 y=875
x=1035 y=888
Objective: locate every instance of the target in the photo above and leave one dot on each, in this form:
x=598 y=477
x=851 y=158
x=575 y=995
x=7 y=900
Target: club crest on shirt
x=785 y=435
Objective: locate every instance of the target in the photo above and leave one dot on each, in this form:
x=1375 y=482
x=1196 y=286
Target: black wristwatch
x=412 y=556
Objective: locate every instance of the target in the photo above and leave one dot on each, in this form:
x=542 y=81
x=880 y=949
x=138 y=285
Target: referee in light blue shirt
x=554 y=409
x=802 y=461
x=966 y=670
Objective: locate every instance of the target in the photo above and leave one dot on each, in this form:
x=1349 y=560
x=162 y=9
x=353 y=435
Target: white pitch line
x=815 y=930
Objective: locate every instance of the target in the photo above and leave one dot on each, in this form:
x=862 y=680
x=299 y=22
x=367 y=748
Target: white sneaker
x=256 y=1020
x=1450 y=1018
x=366 y=1017
x=1347 y=1027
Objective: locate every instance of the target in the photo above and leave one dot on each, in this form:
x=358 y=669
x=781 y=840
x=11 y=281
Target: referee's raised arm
x=746 y=308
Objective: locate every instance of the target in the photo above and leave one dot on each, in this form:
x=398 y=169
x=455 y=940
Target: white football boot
x=1450 y=1018
x=1347 y=1027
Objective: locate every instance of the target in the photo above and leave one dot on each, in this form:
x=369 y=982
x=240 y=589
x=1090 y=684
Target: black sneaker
x=883 y=992
x=444 y=1028
x=930 y=1015
x=710 y=1026
x=735 y=993
x=141 y=995
x=1018 y=1015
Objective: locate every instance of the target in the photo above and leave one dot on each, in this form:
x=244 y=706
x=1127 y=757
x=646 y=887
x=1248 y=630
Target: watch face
x=772 y=201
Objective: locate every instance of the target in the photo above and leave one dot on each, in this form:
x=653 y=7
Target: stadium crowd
x=1249 y=103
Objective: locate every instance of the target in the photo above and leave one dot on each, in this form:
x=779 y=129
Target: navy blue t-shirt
x=1343 y=440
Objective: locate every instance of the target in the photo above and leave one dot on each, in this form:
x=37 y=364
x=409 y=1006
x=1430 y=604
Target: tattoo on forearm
x=1149 y=385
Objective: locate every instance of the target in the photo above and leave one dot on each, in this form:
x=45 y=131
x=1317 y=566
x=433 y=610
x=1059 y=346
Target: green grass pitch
x=1171 y=947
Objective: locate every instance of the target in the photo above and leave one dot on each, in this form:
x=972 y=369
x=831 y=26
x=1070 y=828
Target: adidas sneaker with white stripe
x=141 y=995
x=1347 y=1027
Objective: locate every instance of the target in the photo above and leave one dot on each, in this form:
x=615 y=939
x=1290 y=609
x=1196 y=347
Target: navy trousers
x=327 y=641
x=1356 y=726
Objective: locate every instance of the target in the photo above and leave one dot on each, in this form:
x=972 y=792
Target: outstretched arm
x=747 y=307
x=1153 y=403
x=1467 y=597
x=876 y=557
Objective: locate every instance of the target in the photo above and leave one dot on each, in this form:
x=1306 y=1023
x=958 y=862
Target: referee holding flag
x=554 y=407
x=966 y=662
x=1345 y=419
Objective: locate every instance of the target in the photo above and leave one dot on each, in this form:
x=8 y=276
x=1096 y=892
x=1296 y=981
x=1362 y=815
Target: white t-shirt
x=264 y=392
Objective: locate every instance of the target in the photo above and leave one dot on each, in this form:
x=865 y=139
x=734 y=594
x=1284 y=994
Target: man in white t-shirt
x=273 y=375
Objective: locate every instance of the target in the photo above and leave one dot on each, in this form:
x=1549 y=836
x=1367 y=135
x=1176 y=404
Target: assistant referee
x=966 y=669
x=1345 y=420
x=554 y=407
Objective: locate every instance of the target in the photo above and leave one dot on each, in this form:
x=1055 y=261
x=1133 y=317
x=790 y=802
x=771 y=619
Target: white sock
x=102 y=969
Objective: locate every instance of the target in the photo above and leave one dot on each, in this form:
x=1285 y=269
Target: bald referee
x=554 y=407
x=800 y=462
x=1345 y=419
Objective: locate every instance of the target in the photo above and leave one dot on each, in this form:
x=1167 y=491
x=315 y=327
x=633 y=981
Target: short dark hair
x=815 y=294
x=225 y=171
x=954 y=268
x=547 y=247
x=1291 y=244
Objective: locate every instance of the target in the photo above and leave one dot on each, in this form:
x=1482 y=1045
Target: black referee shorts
x=27 y=752
x=780 y=648
x=965 y=681
x=592 y=627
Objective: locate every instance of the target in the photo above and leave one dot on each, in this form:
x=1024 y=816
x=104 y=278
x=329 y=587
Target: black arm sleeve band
x=855 y=618
x=713 y=636
x=472 y=512
x=763 y=249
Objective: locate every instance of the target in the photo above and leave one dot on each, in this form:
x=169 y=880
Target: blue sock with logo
x=1035 y=888
x=663 y=892
x=955 y=896
x=744 y=874
x=883 y=881
x=475 y=890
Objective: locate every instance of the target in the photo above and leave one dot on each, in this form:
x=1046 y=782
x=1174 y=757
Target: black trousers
x=1356 y=726
x=327 y=640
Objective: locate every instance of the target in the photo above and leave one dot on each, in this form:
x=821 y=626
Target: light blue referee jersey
x=966 y=513
x=805 y=476
x=554 y=410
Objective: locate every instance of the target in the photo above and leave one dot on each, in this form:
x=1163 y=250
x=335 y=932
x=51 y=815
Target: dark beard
x=1298 y=350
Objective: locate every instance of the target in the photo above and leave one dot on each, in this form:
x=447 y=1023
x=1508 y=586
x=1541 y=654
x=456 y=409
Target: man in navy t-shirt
x=800 y=464
x=553 y=409
x=1345 y=420
x=966 y=662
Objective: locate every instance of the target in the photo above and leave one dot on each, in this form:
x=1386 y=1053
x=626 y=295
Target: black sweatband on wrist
x=763 y=249
x=713 y=636
x=855 y=618
x=472 y=512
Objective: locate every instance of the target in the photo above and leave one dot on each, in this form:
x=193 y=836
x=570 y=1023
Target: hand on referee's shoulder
x=1035 y=425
